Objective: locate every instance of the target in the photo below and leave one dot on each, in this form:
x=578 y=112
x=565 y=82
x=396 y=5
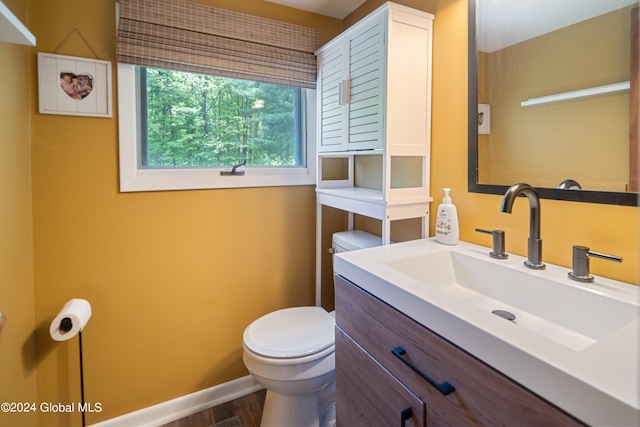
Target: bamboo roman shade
x=186 y=36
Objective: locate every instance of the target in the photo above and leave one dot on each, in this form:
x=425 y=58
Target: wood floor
x=248 y=408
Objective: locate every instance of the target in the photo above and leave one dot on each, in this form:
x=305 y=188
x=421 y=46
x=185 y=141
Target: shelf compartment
x=368 y=202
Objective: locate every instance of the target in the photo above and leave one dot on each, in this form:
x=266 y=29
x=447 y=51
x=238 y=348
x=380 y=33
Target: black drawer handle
x=444 y=388
x=405 y=415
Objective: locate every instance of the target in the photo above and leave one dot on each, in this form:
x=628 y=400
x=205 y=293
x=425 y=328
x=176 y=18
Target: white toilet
x=290 y=352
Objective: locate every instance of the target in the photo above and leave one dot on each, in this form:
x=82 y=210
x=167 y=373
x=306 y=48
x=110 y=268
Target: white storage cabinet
x=374 y=116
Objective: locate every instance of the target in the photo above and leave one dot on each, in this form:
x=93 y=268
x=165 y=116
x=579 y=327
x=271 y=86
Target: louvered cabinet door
x=332 y=109
x=366 y=50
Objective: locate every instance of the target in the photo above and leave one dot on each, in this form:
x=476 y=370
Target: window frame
x=133 y=178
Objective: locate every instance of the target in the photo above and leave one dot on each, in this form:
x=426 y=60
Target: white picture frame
x=484 y=119
x=74 y=86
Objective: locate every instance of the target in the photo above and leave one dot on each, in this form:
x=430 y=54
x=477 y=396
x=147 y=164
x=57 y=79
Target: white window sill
x=194 y=179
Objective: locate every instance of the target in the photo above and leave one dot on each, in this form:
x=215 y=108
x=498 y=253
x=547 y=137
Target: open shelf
x=12 y=30
x=582 y=93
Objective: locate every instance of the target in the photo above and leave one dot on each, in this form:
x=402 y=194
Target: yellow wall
x=174 y=277
x=604 y=228
x=609 y=229
x=17 y=345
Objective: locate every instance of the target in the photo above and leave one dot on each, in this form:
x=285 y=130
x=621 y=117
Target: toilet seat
x=291 y=333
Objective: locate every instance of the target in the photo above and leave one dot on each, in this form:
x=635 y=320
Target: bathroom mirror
x=553 y=102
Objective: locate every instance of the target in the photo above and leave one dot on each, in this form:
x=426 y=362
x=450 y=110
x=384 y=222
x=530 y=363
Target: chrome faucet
x=570 y=184
x=534 y=252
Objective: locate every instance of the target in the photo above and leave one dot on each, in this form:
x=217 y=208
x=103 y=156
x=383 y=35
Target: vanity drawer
x=482 y=395
x=375 y=398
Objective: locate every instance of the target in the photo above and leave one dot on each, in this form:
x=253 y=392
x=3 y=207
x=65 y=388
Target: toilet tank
x=354 y=239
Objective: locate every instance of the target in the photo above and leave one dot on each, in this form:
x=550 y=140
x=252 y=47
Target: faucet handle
x=581 y=255
x=498 y=243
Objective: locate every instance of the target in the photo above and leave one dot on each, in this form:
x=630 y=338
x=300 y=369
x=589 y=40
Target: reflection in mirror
x=554 y=96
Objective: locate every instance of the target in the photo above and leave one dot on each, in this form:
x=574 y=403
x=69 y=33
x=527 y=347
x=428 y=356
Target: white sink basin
x=575 y=344
x=569 y=315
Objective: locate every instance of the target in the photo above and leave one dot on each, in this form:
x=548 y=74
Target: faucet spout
x=534 y=203
x=534 y=256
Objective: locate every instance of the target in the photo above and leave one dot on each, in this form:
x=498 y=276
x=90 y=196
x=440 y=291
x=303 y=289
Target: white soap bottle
x=447 y=230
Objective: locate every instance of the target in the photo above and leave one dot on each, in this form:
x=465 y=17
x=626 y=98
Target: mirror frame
x=603 y=197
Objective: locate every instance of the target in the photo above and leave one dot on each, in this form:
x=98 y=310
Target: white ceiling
x=333 y=8
x=502 y=23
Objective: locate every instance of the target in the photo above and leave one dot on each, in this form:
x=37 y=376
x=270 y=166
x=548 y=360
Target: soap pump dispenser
x=447 y=229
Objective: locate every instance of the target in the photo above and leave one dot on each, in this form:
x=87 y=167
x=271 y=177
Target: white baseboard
x=183 y=406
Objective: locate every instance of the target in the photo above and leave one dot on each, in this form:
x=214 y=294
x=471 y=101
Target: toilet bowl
x=291 y=353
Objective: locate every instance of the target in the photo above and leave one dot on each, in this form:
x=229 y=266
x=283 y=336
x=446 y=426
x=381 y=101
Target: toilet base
x=290 y=411
x=305 y=410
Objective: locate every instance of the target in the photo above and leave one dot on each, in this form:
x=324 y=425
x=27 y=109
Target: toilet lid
x=291 y=332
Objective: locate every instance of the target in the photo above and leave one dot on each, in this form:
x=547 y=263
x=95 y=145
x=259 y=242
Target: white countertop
x=599 y=385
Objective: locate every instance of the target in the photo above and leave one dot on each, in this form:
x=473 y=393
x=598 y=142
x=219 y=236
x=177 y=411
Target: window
x=201 y=120
x=179 y=130
x=171 y=136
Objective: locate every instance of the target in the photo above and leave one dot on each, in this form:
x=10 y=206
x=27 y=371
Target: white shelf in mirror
x=582 y=93
x=12 y=30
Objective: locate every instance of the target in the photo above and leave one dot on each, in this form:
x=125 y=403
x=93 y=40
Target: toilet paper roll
x=72 y=319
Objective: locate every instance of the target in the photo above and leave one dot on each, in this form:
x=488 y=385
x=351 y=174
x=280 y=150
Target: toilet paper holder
x=66 y=324
x=63 y=328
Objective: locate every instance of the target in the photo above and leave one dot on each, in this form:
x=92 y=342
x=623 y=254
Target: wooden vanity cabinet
x=366 y=333
x=372 y=394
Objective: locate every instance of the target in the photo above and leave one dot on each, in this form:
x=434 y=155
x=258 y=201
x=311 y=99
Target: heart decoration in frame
x=74 y=86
